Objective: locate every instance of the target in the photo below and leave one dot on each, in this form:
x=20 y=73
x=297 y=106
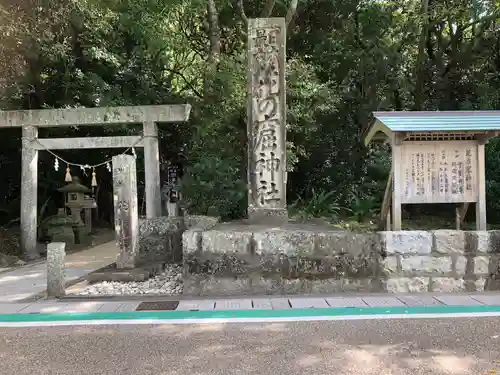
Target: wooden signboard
x=438 y=172
x=172 y=174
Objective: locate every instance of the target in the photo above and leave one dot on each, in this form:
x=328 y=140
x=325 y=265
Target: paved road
x=434 y=346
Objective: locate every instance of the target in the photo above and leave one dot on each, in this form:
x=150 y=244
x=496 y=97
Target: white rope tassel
x=68 y=178
x=94 y=179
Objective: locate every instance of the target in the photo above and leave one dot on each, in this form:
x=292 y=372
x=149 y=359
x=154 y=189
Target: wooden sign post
x=431 y=166
x=173 y=194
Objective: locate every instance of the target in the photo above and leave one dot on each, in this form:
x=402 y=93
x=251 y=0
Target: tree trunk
x=420 y=65
x=214 y=36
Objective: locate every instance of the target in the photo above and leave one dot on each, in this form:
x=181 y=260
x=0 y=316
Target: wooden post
x=29 y=191
x=463 y=212
x=173 y=195
x=386 y=204
x=152 y=170
x=481 y=189
x=396 y=185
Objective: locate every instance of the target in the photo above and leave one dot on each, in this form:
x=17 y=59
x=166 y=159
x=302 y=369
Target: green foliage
x=321 y=204
x=378 y=166
x=9 y=242
x=216 y=174
x=363 y=208
x=346 y=59
x=211 y=186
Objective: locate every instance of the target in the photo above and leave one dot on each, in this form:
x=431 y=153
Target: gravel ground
x=169 y=283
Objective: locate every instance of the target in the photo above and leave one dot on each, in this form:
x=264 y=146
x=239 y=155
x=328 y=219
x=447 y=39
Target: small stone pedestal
x=56 y=274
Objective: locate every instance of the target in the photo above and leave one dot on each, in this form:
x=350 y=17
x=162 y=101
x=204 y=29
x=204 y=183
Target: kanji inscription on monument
x=126 y=210
x=266 y=120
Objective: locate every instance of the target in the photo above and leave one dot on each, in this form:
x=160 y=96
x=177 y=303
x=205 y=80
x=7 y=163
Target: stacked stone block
x=160 y=239
x=229 y=259
x=441 y=261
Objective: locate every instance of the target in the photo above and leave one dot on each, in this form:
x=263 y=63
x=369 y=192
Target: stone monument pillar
x=266 y=124
x=126 y=210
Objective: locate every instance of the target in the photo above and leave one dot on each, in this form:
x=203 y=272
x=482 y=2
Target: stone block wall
x=160 y=239
x=442 y=260
x=246 y=260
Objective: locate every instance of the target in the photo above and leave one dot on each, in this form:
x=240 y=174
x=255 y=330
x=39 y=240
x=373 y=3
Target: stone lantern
x=75 y=201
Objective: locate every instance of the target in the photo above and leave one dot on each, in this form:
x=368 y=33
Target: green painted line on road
x=247 y=314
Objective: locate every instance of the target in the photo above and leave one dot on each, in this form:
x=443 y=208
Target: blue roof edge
x=431 y=121
x=437 y=113
x=439 y=120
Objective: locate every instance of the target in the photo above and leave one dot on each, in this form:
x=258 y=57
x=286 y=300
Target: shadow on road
x=451 y=346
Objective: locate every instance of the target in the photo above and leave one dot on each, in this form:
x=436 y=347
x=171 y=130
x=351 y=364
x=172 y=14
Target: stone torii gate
x=31 y=120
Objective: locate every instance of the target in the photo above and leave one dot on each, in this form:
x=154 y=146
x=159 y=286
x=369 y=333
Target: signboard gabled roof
x=432 y=121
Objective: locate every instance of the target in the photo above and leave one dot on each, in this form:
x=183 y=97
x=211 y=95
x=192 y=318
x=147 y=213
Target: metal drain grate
x=158 y=306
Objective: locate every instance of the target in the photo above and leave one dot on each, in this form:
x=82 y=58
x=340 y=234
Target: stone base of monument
x=160 y=243
x=160 y=239
x=276 y=216
x=241 y=259
x=112 y=273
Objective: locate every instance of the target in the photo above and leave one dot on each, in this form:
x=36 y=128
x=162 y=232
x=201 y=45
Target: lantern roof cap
x=74 y=187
